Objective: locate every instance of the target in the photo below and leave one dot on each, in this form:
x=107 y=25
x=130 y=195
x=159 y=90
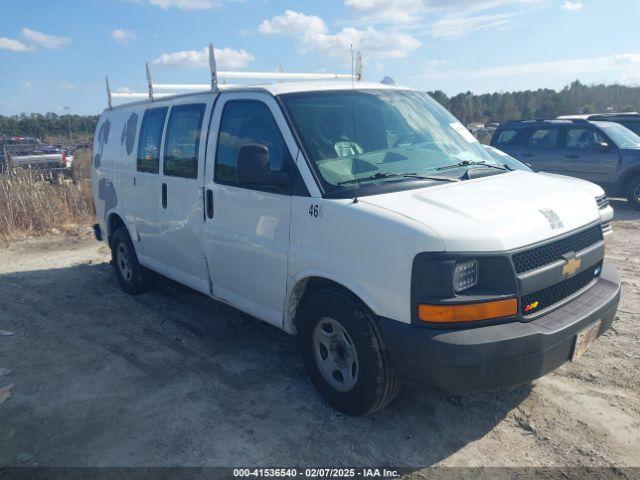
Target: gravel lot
x=171 y=378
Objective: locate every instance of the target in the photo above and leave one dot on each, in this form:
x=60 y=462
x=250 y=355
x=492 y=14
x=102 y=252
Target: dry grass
x=30 y=205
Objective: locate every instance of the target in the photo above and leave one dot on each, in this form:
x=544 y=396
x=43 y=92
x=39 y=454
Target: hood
x=590 y=187
x=495 y=213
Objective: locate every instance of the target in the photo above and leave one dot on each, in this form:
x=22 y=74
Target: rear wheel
x=132 y=277
x=344 y=354
x=633 y=193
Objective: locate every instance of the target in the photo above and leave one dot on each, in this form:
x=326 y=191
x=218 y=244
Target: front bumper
x=479 y=358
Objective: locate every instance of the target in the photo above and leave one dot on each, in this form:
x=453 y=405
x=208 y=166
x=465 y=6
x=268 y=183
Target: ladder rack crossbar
x=215 y=75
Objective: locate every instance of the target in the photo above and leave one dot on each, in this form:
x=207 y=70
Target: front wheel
x=344 y=354
x=633 y=193
x=132 y=277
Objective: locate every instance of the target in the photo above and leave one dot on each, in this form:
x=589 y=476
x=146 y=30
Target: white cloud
x=43 y=40
x=27 y=84
x=13 y=45
x=627 y=58
x=225 y=58
x=123 y=36
x=388 y=11
x=442 y=18
x=619 y=62
x=293 y=23
x=186 y=4
x=66 y=85
x=312 y=35
x=572 y=6
x=457 y=26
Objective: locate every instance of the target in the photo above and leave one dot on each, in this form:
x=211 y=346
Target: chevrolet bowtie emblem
x=571 y=267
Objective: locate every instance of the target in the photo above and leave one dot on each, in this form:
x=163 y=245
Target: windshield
x=621 y=136
x=380 y=137
x=506 y=159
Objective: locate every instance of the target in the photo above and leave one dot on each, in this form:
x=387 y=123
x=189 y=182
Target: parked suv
x=364 y=219
x=602 y=152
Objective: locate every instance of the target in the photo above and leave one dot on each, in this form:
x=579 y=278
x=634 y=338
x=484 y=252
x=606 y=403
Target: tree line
x=575 y=98
x=467 y=107
x=49 y=125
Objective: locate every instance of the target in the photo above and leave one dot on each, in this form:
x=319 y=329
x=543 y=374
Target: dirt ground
x=171 y=378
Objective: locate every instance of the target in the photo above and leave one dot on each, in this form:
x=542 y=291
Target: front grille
x=549 y=296
x=603 y=202
x=545 y=254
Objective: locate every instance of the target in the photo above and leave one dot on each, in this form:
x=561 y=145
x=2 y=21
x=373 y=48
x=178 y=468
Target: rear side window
x=150 y=140
x=544 y=138
x=583 y=138
x=182 y=141
x=248 y=123
x=506 y=137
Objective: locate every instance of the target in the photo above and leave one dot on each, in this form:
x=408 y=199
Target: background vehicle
x=22 y=152
x=631 y=120
x=604 y=153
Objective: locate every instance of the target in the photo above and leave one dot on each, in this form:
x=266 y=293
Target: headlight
x=465 y=275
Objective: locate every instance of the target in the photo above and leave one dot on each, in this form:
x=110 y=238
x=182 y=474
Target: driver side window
x=249 y=124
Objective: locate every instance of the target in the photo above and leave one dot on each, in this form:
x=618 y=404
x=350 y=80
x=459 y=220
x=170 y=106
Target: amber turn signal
x=470 y=312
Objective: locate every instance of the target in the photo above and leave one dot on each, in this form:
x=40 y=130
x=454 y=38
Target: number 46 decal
x=315 y=210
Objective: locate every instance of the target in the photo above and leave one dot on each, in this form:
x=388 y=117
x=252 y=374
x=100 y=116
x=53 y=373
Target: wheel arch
x=114 y=222
x=627 y=177
x=305 y=286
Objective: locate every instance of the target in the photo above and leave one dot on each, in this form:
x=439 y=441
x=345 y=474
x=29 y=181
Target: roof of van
x=281 y=88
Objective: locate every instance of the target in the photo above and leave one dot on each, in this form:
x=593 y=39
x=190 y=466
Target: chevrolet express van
x=365 y=220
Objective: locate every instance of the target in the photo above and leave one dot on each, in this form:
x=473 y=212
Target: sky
x=55 y=54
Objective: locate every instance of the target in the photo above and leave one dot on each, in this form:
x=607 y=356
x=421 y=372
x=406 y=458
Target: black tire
x=132 y=278
x=633 y=193
x=375 y=385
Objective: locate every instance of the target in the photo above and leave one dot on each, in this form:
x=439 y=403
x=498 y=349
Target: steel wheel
x=636 y=193
x=335 y=354
x=124 y=262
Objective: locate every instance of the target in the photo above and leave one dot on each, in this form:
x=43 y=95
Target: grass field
x=31 y=204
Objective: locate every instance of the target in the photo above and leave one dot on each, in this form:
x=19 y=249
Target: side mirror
x=253 y=168
x=602 y=146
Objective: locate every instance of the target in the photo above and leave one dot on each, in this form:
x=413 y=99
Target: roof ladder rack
x=279 y=75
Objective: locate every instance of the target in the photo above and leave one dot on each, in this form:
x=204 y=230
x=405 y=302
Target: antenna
x=359 y=70
x=212 y=68
x=353 y=112
x=106 y=81
x=149 y=82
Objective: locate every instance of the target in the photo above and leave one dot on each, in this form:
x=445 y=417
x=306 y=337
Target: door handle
x=571 y=155
x=164 y=195
x=527 y=154
x=210 y=203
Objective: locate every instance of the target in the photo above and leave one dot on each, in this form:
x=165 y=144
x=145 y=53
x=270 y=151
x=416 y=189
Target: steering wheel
x=413 y=136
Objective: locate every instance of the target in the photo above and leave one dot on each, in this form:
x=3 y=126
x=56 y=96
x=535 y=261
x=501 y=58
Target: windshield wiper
x=468 y=163
x=381 y=175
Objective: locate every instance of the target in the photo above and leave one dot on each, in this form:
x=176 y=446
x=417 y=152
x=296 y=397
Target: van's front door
x=181 y=199
x=248 y=203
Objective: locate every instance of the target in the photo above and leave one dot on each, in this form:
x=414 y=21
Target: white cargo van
x=364 y=219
